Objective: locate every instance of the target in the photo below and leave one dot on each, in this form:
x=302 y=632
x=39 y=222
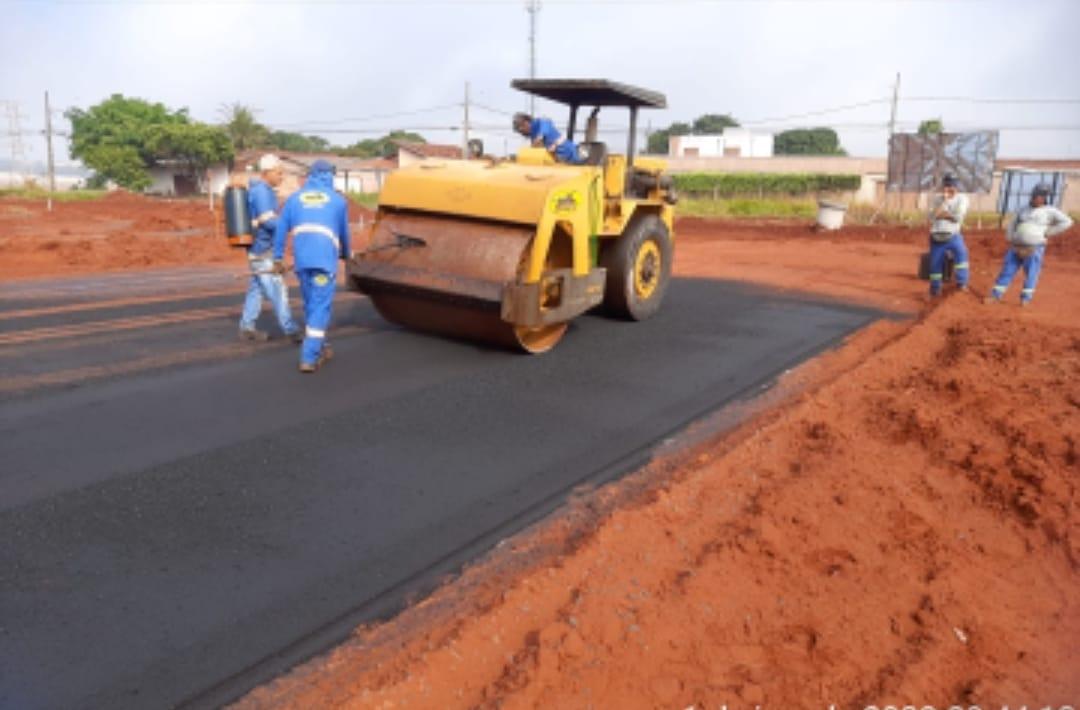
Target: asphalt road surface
x=184 y=515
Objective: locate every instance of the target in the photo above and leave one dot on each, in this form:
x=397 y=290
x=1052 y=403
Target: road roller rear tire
x=638 y=269
x=461 y=323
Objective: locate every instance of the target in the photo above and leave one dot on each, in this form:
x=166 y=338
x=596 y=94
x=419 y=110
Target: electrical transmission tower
x=18 y=150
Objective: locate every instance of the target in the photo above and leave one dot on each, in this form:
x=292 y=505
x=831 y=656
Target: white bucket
x=830 y=215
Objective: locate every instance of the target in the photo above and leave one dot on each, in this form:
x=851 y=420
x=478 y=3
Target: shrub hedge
x=728 y=184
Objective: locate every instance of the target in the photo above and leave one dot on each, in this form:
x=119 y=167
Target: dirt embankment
x=903 y=530
x=119 y=232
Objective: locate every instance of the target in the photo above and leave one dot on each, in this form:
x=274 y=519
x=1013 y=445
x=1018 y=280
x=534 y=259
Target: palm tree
x=244 y=131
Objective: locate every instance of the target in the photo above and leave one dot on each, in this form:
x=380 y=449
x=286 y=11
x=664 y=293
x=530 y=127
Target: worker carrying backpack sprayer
x=250 y=219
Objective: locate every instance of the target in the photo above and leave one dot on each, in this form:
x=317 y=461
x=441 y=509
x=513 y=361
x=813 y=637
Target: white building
x=352 y=174
x=175 y=180
x=732 y=143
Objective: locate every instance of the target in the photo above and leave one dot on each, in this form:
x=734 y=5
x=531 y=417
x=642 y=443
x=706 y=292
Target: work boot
x=259 y=336
x=309 y=367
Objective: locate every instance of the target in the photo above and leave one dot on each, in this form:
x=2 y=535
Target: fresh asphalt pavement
x=173 y=536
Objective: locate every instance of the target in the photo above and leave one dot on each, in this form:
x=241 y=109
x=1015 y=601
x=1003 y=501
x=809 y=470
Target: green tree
x=931 y=126
x=112 y=138
x=712 y=124
x=121 y=164
x=242 y=128
x=658 y=140
x=808 y=141
x=382 y=147
x=296 y=142
x=194 y=145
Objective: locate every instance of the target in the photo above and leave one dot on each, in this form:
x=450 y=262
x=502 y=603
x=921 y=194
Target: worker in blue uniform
x=264 y=282
x=317 y=219
x=542 y=133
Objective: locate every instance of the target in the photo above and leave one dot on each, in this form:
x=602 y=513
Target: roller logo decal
x=314 y=199
x=566 y=202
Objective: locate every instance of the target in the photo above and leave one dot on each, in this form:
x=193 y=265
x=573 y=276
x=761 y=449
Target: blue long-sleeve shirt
x=262 y=205
x=318 y=219
x=543 y=129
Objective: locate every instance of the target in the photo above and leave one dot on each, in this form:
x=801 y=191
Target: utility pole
x=895 y=103
x=888 y=151
x=533 y=8
x=48 y=144
x=892 y=132
x=465 y=127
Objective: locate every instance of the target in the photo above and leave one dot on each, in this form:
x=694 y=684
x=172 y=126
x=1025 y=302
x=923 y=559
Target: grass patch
x=781 y=208
x=32 y=193
x=719 y=185
x=370 y=200
x=806 y=209
x=863 y=214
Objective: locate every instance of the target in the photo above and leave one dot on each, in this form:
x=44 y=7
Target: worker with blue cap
x=1027 y=236
x=316 y=217
x=542 y=133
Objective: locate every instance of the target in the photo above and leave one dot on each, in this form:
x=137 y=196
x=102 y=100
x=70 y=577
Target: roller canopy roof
x=591 y=92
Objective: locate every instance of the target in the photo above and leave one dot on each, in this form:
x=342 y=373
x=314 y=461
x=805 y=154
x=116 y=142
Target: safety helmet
x=269 y=162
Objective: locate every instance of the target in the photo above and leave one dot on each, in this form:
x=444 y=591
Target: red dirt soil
x=119 y=232
x=900 y=526
x=895 y=523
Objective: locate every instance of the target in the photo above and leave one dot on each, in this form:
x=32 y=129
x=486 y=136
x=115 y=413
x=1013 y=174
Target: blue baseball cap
x=322 y=166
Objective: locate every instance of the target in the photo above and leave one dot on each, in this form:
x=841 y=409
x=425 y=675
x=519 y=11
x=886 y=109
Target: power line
x=385 y=130
x=492 y=110
x=975 y=100
x=821 y=112
x=373 y=117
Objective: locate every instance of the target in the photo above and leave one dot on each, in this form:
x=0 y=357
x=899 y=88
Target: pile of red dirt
x=899 y=526
x=120 y=231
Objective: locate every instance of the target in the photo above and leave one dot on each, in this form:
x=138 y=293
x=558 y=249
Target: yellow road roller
x=507 y=252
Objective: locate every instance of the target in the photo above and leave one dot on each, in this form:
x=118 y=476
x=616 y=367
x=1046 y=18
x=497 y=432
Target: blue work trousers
x=317 y=287
x=955 y=246
x=1032 y=265
x=264 y=283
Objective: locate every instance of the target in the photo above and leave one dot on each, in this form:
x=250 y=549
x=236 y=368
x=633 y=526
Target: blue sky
x=341 y=65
